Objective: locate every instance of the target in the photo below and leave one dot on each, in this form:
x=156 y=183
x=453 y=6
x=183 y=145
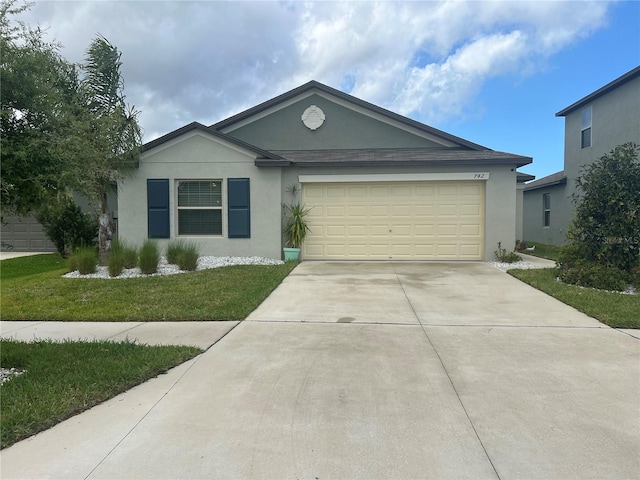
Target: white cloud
x=186 y=61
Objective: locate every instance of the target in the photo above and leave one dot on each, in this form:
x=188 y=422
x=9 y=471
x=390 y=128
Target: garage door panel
x=380 y=230
x=379 y=211
x=402 y=211
x=335 y=211
x=336 y=230
x=379 y=250
x=472 y=210
x=357 y=231
x=315 y=250
x=313 y=191
x=470 y=230
x=471 y=250
x=452 y=190
x=357 y=191
x=336 y=249
x=402 y=191
x=357 y=211
x=408 y=220
x=380 y=191
x=425 y=210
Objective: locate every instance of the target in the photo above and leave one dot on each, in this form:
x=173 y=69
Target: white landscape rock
x=164 y=268
x=522 y=265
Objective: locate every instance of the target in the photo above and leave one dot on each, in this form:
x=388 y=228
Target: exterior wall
x=198 y=156
x=500 y=195
x=615 y=120
x=519 y=212
x=343 y=128
x=561 y=211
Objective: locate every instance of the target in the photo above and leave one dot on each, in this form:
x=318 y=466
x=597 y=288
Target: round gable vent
x=313 y=117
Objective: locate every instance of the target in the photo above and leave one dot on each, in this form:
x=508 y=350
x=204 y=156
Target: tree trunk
x=105 y=231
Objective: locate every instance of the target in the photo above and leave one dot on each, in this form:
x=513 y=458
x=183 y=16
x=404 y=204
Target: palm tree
x=109 y=132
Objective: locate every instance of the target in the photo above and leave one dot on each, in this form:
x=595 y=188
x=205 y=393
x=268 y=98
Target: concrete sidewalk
x=197 y=334
x=378 y=370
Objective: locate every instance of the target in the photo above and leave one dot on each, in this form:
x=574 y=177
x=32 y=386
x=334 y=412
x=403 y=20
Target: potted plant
x=295 y=230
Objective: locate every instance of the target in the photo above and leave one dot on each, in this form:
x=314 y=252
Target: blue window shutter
x=238 y=208
x=158 y=208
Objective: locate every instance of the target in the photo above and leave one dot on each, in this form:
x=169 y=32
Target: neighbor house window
x=586 y=128
x=546 y=209
x=199 y=207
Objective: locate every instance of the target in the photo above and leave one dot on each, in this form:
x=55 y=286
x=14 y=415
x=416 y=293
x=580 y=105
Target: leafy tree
x=606 y=229
x=105 y=137
x=38 y=87
x=66 y=226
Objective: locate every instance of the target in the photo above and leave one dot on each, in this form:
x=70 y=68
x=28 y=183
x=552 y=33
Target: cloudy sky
x=494 y=73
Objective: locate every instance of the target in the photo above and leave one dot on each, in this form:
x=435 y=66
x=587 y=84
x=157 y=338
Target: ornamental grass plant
x=85 y=260
x=149 y=257
x=188 y=257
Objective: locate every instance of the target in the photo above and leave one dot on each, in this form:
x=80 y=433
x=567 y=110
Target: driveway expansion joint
x=475 y=431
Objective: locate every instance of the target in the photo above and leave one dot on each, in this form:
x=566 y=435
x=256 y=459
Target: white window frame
x=217 y=207
x=546 y=210
x=584 y=126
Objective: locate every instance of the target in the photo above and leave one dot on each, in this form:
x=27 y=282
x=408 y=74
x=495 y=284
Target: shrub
x=595 y=275
x=86 y=260
x=507 y=257
x=188 y=257
x=149 y=257
x=66 y=226
x=635 y=277
x=607 y=223
x=174 y=249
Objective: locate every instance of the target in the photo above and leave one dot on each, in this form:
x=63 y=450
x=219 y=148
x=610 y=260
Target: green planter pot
x=291 y=254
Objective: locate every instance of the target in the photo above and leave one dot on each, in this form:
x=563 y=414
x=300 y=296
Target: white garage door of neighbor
x=437 y=220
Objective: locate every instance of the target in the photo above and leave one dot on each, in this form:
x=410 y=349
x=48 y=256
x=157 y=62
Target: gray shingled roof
x=522 y=177
x=558 y=178
x=392 y=156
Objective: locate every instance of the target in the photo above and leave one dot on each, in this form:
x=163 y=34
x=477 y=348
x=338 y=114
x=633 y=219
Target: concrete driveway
x=374 y=370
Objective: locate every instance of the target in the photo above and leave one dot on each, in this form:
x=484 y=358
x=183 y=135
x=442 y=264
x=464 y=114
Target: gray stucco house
x=380 y=186
x=594 y=125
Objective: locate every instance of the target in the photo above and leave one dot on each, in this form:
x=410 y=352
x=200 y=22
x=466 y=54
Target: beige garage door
x=399 y=221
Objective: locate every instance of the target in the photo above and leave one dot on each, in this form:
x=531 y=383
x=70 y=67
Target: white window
x=199 y=207
x=585 y=130
x=546 y=209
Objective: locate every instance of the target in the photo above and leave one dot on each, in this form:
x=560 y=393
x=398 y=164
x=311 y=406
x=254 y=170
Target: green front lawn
x=32 y=288
x=543 y=250
x=63 y=379
x=615 y=309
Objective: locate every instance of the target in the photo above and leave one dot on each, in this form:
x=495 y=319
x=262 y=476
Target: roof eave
x=562 y=181
x=390 y=163
x=600 y=92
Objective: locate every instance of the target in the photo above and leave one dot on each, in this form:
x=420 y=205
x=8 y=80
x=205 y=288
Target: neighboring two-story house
x=594 y=125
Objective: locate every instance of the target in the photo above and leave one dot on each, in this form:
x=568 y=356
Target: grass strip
x=37 y=291
x=66 y=378
x=614 y=309
x=543 y=250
